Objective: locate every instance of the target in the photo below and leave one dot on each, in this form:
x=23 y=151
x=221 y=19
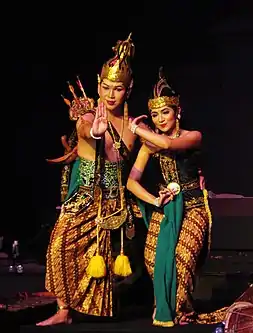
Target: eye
x=166 y=112
x=153 y=115
x=104 y=87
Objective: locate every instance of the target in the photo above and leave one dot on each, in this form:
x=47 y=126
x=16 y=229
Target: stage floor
x=141 y=325
x=215 y=288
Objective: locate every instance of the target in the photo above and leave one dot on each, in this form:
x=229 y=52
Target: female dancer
x=175 y=208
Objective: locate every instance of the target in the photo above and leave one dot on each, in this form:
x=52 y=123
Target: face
x=164 y=119
x=112 y=94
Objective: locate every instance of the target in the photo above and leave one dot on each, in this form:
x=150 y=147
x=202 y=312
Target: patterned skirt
x=189 y=251
x=72 y=244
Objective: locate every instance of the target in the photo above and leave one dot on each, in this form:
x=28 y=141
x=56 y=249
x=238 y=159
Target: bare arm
x=133 y=183
x=190 y=140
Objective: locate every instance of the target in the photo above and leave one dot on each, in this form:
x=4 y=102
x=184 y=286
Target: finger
x=101 y=105
x=166 y=200
x=99 y=110
x=166 y=195
x=105 y=113
x=138 y=119
x=164 y=191
x=102 y=110
x=96 y=113
x=65 y=143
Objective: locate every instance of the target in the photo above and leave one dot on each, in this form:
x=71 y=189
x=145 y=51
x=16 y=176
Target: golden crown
x=162 y=101
x=118 y=68
x=79 y=105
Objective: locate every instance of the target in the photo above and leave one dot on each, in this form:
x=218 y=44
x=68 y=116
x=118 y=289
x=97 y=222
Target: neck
x=117 y=113
x=172 y=132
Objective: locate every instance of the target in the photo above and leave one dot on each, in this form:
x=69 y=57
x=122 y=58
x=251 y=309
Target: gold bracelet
x=63 y=307
x=133 y=128
x=156 y=202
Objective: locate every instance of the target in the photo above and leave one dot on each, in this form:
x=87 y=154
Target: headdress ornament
x=118 y=68
x=163 y=94
x=79 y=105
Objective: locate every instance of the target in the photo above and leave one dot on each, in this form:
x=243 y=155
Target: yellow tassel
x=97 y=267
x=122 y=266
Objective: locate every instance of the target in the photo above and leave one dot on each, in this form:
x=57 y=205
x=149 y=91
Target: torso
x=87 y=147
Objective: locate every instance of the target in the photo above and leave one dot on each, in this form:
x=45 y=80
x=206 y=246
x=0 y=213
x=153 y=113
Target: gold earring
x=125 y=112
x=177 y=125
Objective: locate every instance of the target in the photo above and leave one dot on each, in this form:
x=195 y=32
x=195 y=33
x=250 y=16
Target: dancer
x=173 y=205
x=96 y=214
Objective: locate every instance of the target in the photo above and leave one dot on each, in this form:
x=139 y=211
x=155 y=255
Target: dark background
x=206 y=48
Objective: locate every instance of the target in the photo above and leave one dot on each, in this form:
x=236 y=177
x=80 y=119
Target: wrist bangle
x=133 y=128
x=156 y=202
x=93 y=136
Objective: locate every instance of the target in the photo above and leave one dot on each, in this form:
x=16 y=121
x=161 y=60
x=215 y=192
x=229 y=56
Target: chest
x=113 y=139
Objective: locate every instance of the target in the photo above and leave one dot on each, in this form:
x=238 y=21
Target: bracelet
x=156 y=202
x=133 y=128
x=63 y=307
x=93 y=136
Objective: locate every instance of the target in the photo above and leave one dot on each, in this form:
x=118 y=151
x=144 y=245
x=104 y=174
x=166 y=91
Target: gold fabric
x=73 y=242
x=191 y=242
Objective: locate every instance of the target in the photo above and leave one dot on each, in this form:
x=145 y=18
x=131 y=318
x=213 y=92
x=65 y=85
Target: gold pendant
x=116 y=145
x=174 y=187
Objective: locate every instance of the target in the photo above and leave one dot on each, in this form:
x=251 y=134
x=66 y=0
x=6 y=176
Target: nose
x=111 y=93
x=160 y=118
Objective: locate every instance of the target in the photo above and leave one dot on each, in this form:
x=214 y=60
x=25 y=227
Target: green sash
x=74 y=179
x=165 y=279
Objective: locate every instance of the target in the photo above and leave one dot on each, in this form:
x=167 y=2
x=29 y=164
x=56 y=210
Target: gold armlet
x=63 y=307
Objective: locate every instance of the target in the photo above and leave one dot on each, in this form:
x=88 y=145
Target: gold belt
x=108 y=193
x=190 y=185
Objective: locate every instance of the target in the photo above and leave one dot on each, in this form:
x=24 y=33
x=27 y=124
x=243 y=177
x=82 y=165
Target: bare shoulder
x=193 y=135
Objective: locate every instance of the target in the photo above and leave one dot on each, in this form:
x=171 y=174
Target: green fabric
x=74 y=179
x=165 y=278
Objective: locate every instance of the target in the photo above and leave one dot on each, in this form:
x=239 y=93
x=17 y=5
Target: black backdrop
x=207 y=53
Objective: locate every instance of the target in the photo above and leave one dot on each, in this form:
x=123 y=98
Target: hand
x=165 y=196
x=65 y=143
x=135 y=122
x=202 y=182
x=100 y=122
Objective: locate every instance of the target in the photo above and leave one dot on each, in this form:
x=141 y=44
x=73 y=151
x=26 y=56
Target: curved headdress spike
x=161 y=84
x=163 y=94
x=118 y=69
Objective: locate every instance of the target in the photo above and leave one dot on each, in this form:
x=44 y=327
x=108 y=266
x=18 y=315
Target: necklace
x=176 y=135
x=117 y=144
